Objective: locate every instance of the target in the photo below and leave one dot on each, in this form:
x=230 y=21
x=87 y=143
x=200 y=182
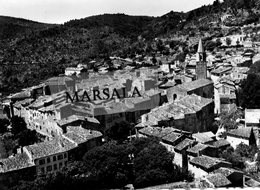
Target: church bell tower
x=201 y=65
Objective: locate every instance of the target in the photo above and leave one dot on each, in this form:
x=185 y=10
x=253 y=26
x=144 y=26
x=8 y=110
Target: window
x=49 y=168
x=54 y=158
x=48 y=160
x=42 y=170
x=41 y=162
x=174 y=96
x=60 y=165
x=60 y=157
x=55 y=167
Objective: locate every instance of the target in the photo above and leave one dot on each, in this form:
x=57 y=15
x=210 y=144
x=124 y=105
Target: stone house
x=241 y=135
x=201 y=87
x=191 y=113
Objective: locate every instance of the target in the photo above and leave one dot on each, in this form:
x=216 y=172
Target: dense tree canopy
x=238 y=156
x=18 y=125
x=120 y=131
x=142 y=162
x=249 y=94
x=3 y=125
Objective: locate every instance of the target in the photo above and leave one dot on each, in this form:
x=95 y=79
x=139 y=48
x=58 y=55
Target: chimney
x=20 y=150
x=184 y=161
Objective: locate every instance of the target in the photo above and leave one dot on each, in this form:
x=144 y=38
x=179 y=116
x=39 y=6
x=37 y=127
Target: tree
x=218 y=42
x=108 y=164
x=27 y=137
x=115 y=164
x=18 y=125
x=235 y=159
x=228 y=120
x=3 y=125
x=120 y=131
x=210 y=45
x=249 y=94
x=228 y=41
x=143 y=162
x=246 y=151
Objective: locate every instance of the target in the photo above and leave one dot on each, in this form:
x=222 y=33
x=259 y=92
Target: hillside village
x=178 y=105
x=190 y=92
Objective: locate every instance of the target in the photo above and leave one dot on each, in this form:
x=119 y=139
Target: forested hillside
x=31 y=52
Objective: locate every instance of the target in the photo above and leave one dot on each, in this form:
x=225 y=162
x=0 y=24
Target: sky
x=60 y=11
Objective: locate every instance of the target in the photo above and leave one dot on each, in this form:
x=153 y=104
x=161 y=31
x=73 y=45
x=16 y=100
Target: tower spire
x=200 y=47
x=201 y=65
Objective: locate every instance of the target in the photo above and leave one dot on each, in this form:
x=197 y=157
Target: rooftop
x=48 y=148
x=184 y=144
x=177 y=110
x=172 y=137
x=189 y=86
x=202 y=137
x=23 y=102
x=218 y=180
x=221 y=143
x=17 y=162
x=197 y=148
x=81 y=135
x=70 y=119
x=252 y=116
x=59 y=80
x=156 y=131
x=241 y=132
x=200 y=47
x=206 y=161
x=221 y=70
x=226 y=171
x=21 y=95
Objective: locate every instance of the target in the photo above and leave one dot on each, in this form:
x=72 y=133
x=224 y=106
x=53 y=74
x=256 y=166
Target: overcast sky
x=59 y=11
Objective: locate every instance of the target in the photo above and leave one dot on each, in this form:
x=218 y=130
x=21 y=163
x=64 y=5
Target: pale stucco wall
x=236 y=141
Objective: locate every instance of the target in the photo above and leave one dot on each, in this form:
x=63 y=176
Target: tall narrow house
x=201 y=65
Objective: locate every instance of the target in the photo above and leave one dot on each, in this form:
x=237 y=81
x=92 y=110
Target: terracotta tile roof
x=48 y=148
x=81 y=135
x=195 y=102
x=209 y=134
x=172 y=137
x=197 y=148
x=226 y=171
x=156 y=131
x=218 y=180
x=202 y=137
x=184 y=144
x=206 y=162
x=252 y=183
x=23 y=103
x=70 y=119
x=221 y=70
x=189 y=86
x=177 y=110
x=21 y=95
x=17 y=162
x=221 y=143
x=241 y=132
x=60 y=80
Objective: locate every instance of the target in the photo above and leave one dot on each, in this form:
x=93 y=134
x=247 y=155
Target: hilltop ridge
x=31 y=52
